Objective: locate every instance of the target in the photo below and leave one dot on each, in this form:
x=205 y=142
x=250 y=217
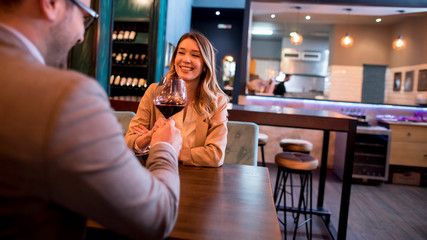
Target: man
x=280 y=88
x=63 y=157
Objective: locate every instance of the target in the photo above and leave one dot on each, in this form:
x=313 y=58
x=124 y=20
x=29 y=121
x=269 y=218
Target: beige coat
x=63 y=158
x=211 y=134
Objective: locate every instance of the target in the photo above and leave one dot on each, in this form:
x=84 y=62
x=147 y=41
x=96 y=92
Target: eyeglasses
x=90 y=16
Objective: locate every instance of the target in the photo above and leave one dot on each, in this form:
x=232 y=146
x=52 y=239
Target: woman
x=203 y=122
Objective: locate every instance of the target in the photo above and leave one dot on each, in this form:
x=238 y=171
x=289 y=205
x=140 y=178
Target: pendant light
x=347 y=40
x=296 y=38
x=399 y=43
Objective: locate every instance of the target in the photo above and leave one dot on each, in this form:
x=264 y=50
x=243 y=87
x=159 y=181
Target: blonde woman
x=203 y=122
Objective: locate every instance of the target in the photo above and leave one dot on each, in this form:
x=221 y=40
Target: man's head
x=54 y=26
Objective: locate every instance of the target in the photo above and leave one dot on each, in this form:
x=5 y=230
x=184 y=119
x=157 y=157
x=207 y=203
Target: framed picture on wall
x=409 y=81
x=169 y=51
x=397 y=81
x=422 y=80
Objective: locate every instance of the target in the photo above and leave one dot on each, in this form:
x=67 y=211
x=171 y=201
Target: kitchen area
x=382 y=87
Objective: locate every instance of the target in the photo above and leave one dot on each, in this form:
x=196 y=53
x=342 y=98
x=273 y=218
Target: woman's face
x=188 y=61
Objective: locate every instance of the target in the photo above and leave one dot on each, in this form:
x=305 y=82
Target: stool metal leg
x=262 y=154
x=276 y=187
x=306 y=189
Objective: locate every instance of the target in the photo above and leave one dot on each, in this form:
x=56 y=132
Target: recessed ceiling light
x=262 y=32
x=308 y=17
x=378 y=20
x=273 y=15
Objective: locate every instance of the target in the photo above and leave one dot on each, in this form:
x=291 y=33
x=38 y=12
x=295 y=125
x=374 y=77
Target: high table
x=229 y=202
x=317 y=120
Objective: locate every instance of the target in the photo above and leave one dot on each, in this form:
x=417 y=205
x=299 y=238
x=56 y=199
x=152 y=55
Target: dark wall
x=226 y=41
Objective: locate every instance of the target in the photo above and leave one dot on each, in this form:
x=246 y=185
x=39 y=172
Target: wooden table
x=229 y=202
x=318 y=120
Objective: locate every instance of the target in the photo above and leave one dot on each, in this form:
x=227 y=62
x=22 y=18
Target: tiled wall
x=346 y=83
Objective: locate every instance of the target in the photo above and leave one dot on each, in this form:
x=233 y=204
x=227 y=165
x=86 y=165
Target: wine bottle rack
x=129 y=58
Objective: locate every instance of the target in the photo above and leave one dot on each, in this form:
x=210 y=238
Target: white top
x=187 y=126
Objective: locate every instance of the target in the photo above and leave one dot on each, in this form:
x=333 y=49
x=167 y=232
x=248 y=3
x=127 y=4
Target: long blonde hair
x=208 y=90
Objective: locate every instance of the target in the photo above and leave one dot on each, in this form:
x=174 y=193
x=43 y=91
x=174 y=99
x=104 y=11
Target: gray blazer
x=63 y=158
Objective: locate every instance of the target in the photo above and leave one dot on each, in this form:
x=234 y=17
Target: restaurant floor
x=377 y=211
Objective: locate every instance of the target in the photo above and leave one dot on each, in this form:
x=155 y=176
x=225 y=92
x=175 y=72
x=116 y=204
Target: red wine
x=169 y=109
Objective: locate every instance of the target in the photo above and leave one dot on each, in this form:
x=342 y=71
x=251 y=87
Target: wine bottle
x=111 y=79
x=129 y=81
x=136 y=58
x=117 y=80
x=135 y=82
x=113 y=56
x=124 y=57
x=130 y=59
x=126 y=35
x=141 y=82
x=132 y=34
x=143 y=56
x=122 y=81
x=119 y=58
x=114 y=35
x=120 y=35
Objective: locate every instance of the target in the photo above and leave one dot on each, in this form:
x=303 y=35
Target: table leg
x=323 y=169
x=346 y=184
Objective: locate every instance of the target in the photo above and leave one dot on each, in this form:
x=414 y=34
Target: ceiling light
x=273 y=15
x=296 y=38
x=378 y=20
x=347 y=40
x=217 y=13
x=399 y=43
x=308 y=17
x=262 y=32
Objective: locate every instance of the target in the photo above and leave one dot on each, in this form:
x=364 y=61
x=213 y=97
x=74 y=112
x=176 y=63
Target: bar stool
x=296 y=145
x=262 y=140
x=302 y=164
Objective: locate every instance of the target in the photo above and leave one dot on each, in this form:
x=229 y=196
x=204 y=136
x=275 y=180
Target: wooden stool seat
x=262 y=139
x=296 y=145
x=296 y=161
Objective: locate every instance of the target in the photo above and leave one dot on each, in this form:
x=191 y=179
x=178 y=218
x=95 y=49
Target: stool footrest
x=318 y=212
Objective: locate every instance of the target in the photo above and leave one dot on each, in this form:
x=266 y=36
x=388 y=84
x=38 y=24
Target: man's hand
x=168 y=133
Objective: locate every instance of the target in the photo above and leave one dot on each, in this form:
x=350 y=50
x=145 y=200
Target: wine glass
x=170 y=96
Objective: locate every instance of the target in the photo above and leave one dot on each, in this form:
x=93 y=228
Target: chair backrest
x=242 y=143
x=124 y=118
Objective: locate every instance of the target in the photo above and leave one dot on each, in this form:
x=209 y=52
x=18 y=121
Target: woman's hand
x=144 y=136
x=140 y=130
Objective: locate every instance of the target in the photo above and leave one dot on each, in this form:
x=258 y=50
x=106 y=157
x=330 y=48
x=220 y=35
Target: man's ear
x=51 y=8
